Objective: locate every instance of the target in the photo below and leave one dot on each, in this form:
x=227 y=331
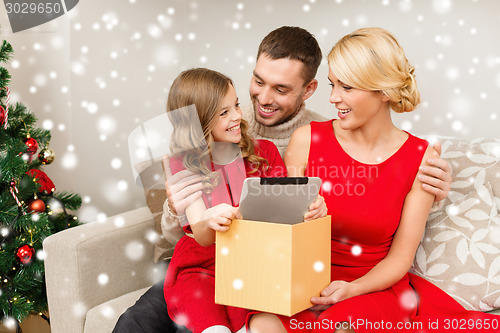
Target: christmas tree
x=30 y=207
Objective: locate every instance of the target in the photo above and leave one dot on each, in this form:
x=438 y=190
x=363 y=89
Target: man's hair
x=293 y=43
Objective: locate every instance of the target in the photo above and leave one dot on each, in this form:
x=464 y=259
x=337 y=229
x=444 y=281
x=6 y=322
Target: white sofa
x=94 y=272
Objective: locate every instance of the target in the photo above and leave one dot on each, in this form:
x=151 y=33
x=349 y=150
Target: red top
x=366 y=202
x=233 y=174
x=359 y=196
x=188 y=254
x=189 y=283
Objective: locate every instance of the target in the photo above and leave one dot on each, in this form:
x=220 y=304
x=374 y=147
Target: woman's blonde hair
x=205 y=89
x=372 y=59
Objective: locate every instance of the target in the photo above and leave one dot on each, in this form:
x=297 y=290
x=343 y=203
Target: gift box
x=272 y=267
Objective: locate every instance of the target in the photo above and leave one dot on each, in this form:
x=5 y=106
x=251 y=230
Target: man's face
x=277 y=89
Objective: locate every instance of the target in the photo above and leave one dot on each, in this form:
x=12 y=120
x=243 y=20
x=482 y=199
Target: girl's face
x=356 y=107
x=227 y=128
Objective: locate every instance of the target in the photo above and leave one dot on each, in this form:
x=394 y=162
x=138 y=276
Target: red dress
x=189 y=287
x=365 y=202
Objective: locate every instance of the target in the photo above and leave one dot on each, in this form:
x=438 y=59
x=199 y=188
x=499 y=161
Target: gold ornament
x=46 y=156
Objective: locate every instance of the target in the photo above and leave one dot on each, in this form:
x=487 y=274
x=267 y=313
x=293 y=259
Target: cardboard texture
x=272 y=267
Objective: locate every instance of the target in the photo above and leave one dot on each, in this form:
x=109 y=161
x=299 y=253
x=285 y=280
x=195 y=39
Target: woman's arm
x=296 y=156
x=297 y=152
x=399 y=259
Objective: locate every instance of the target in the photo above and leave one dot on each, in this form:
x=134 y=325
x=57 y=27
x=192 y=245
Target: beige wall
x=98 y=72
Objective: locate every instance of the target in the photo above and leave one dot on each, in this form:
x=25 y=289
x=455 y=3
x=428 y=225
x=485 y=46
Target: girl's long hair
x=204 y=90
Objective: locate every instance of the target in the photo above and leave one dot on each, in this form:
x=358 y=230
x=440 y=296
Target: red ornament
x=2 y=115
x=32 y=145
x=41 y=178
x=24 y=254
x=36 y=206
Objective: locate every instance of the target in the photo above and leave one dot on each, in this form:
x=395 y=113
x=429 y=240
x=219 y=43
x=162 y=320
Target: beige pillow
x=153 y=182
x=460 y=250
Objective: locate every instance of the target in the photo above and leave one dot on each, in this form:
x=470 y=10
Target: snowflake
x=103 y=279
x=134 y=250
x=224 y=251
x=318 y=266
x=119 y=221
x=238 y=284
x=356 y=250
x=442 y=6
x=154 y=31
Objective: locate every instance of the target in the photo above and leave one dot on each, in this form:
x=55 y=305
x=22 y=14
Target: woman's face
x=227 y=128
x=355 y=106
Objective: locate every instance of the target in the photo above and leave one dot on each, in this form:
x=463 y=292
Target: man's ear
x=310 y=89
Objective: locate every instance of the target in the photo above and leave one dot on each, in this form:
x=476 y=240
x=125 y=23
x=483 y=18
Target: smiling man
x=283 y=79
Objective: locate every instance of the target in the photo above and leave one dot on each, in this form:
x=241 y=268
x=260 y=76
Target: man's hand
x=436 y=178
x=183 y=188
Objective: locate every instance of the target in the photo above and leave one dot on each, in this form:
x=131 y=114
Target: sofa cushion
x=153 y=182
x=495 y=312
x=460 y=250
x=103 y=317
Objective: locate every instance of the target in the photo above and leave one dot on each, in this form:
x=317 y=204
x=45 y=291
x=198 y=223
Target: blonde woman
x=189 y=284
x=373 y=192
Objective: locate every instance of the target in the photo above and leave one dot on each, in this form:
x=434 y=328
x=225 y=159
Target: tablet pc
x=280 y=200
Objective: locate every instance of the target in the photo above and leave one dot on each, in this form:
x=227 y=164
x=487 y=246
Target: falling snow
x=238 y=284
x=103 y=279
x=318 y=266
x=92 y=80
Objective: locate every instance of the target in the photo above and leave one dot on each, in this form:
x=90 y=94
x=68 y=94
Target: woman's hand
x=316 y=210
x=337 y=291
x=219 y=217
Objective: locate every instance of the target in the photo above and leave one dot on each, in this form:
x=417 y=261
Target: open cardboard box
x=272 y=267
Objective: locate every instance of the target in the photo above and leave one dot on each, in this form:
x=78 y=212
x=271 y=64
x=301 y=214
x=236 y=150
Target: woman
x=369 y=169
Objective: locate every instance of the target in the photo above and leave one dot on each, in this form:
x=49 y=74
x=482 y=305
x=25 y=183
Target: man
x=283 y=79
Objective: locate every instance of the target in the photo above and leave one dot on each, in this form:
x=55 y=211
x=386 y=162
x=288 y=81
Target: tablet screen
x=280 y=200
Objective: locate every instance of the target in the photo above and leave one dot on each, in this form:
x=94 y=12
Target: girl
x=189 y=285
x=377 y=203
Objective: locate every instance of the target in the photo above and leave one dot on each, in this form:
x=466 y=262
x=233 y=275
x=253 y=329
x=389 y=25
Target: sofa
x=95 y=271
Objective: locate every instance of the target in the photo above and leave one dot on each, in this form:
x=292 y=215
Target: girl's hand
x=316 y=210
x=219 y=217
x=337 y=291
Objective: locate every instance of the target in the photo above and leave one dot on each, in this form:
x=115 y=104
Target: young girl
x=189 y=285
x=378 y=206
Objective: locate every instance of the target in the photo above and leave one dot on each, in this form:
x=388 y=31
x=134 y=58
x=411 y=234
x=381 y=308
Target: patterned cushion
x=460 y=250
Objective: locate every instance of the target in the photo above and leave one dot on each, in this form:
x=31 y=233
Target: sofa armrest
x=96 y=262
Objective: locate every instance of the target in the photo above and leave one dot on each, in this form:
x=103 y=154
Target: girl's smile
x=228 y=127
